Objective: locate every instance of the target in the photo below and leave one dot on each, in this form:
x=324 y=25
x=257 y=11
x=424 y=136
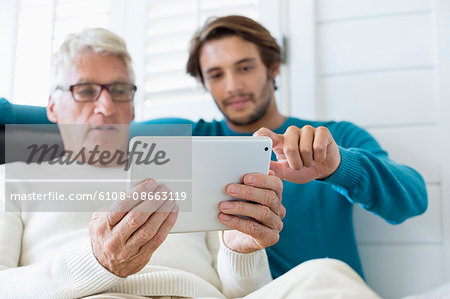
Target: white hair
x=96 y=40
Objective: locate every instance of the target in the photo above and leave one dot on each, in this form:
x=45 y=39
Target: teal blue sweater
x=319 y=221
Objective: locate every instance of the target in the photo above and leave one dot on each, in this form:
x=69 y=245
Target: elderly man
x=125 y=251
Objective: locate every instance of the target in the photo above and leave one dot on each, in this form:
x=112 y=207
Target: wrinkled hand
x=124 y=239
x=304 y=154
x=264 y=195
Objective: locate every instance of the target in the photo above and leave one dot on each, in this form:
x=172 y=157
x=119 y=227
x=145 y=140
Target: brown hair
x=243 y=27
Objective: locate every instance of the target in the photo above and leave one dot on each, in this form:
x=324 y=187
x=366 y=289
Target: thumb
x=276 y=168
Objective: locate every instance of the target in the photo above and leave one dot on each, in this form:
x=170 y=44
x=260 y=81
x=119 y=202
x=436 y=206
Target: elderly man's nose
x=105 y=103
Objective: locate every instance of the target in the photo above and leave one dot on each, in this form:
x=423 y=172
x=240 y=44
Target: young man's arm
x=366 y=175
x=351 y=160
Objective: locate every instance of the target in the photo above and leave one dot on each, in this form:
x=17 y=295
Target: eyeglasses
x=90 y=92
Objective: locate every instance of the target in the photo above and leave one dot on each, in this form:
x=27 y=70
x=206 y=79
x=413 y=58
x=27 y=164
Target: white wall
x=8 y=29
x=380 y=64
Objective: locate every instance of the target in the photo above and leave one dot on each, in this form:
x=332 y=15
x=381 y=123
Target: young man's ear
x=51 y=113
x=275 y=70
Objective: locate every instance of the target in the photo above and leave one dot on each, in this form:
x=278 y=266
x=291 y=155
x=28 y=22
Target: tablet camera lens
x=266 y=148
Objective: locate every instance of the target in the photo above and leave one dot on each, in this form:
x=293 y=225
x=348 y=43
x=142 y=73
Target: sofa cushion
x=24 y=114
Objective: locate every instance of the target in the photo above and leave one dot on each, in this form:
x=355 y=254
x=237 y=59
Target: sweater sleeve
x=70 y=275
x=241 y=273
x=67 y=275
x=368 y=177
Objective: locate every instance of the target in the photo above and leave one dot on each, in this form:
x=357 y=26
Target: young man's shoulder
x=345 y=133
x=330 y=124
x=208 y=128
x=219 y=128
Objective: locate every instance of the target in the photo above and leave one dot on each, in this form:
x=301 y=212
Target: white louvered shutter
x=157 y=37
x=42 y=27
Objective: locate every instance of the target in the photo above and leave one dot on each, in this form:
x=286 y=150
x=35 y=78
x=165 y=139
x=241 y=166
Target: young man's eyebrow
x=243 y=60
x=213 y=69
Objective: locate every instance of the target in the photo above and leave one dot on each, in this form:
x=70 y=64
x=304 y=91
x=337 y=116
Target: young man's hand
x=262 y=210
x=124 y=239
x=304 y=154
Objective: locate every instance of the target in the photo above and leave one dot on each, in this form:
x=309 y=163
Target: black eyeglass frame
x=102 y=86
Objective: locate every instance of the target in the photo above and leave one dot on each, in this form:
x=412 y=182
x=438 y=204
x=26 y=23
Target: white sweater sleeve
x=241 y=273
x=67 y=275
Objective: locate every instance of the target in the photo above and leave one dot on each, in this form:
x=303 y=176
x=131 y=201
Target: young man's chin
x=240 y=121
x=239 y=114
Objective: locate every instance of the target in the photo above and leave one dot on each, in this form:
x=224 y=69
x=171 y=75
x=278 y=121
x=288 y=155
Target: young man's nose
x=233 y=84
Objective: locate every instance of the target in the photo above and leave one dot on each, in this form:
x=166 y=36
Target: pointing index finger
x=276 y=138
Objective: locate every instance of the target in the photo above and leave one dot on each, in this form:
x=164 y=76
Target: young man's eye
x=214 y=76
x=246 y=68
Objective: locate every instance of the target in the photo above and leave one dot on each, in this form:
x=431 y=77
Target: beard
x=258 y=112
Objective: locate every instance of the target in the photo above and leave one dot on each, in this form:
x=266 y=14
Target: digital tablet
x=197 y=171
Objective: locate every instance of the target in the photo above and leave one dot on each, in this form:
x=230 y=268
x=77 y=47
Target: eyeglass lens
x=91 y=92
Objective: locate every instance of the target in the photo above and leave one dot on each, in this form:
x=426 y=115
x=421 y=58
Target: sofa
x=28 y=120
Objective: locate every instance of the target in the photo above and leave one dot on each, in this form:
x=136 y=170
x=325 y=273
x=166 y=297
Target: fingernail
x=226 y=205
x=226 y=217
x=234 y=189
x=150 y=185
x=250 y=179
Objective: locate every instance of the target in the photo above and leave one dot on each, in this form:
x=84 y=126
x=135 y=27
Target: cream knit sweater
x=48 y=255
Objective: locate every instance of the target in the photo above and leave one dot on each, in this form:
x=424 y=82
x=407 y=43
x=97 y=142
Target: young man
x=327 y=166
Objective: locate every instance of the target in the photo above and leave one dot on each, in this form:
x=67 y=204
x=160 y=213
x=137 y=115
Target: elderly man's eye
x=119 y=90
x=86 y=91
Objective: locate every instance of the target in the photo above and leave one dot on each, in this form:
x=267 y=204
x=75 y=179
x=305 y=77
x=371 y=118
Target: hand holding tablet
x=262 y=213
